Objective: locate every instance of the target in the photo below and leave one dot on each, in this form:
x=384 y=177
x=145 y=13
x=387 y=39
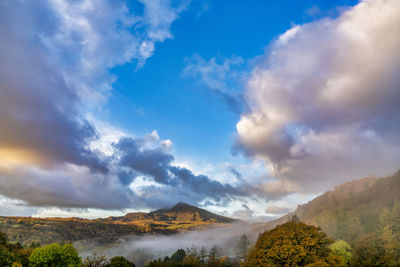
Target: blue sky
x=158 y=96
x=247 y=108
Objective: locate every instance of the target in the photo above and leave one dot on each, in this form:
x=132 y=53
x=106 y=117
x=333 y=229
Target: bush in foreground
x=55 y=255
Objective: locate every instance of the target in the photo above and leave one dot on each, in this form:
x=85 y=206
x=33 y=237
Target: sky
x=244 y=108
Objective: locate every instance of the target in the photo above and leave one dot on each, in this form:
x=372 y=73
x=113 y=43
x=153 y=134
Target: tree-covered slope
x=353 y=209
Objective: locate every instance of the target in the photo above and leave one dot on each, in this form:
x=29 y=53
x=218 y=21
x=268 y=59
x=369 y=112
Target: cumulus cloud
x=219 y=76
x=55 y=62
x=324 y=103
x=157 y=163
x=15 y=207
x=141 y=174
x=66 y=186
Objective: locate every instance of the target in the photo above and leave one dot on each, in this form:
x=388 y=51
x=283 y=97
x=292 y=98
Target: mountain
x=181 y=213
x=352 y=209
x=181 y=217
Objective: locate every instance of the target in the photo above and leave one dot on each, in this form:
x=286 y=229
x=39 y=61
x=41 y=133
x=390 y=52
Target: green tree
x=391 y=246
x=394 y=220
x=292 y=244
x=3 y=239
x=192 y=260
x=343 y=250
x=12 y=254
x=6 y=258
x=120 y=261
x=368 y=251
x=178 y=256
x=55 y=255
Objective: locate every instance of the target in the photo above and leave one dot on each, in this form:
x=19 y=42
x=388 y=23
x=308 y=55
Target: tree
x=120 y=261
x=178 y=256
x=294 y=218
x=213 y=257
x=95 y=261
x=6 y=258
x=292 y=244
x=12 y=254
x=242 y=246
x=192 y=260
x=203 y=255
x=55 y=255
x=368 y=251
x=3 y=239
x=343 y=250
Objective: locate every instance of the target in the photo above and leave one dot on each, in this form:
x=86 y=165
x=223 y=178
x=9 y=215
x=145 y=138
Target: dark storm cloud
x=156 y=163
x=202 y=185
x=152 y=162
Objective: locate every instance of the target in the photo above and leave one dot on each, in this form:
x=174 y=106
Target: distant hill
x=181 y=217
x=181 y=212
x=352 y=209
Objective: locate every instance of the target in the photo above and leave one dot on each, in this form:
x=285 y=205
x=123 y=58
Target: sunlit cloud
x=324 y=101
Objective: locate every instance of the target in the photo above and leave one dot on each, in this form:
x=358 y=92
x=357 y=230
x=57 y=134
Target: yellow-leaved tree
x=292 y=244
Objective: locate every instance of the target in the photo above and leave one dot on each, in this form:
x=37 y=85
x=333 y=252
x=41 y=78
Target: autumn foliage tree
x=292 y=244
x=12 y=254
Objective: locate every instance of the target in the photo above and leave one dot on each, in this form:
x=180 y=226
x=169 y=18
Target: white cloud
x=324 y=103
x=56 y=58
x=15 y=207
x=221 y=76
x=81 y=213
x=166 y=145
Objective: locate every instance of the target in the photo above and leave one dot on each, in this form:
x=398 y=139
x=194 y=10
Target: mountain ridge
x=179 y=218
x=181 y=212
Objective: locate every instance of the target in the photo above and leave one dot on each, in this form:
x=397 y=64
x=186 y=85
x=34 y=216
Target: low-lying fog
x=147 y=247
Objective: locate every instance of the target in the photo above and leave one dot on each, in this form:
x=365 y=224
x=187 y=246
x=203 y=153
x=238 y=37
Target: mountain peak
x=182 y=205
x=185 y=212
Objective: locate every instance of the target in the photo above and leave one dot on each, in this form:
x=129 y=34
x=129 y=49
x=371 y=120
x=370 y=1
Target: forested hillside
x=353 y=209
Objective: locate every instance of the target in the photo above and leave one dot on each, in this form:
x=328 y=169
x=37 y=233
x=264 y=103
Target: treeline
x=297 y=244
x=193 y=258
x=53 y=255
x=290 y=244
